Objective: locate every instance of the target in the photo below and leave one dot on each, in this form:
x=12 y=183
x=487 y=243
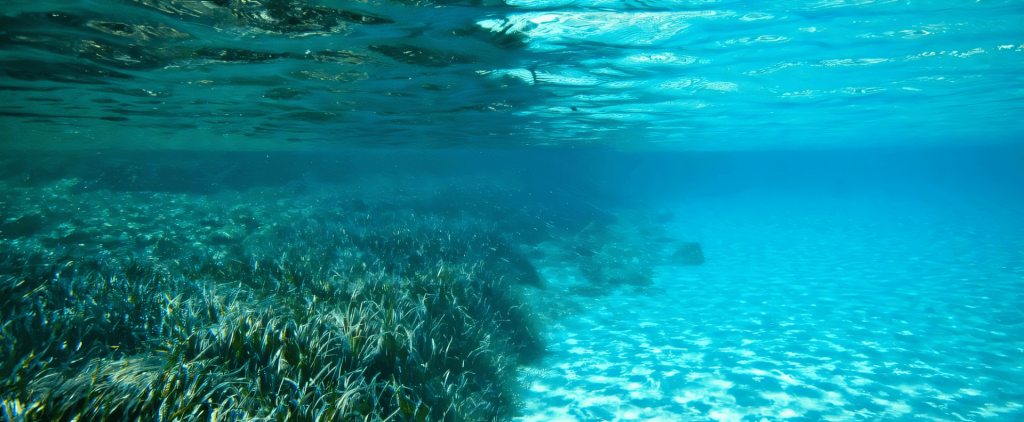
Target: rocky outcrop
x=689 y=253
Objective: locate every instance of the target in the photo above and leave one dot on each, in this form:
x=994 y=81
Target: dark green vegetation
x=326 y=323
x=277 y=289
x=211 y=310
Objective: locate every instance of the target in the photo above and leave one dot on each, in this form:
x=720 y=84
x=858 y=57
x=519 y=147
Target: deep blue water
x=852 y=169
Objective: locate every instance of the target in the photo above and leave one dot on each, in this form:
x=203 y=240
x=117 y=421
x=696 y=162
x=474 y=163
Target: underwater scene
x=511 y=210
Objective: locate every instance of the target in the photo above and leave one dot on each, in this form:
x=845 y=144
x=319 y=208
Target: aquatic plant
x=397 y=319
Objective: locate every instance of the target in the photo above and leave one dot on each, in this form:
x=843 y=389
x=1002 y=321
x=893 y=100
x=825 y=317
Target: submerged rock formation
x=689 y=253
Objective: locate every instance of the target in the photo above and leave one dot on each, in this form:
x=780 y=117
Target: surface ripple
x=689 y=75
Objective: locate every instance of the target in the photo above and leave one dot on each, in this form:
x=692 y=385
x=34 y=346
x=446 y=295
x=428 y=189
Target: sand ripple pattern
x=838 y=310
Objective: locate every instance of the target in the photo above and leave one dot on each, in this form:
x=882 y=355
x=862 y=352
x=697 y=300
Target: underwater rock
x=689 y=253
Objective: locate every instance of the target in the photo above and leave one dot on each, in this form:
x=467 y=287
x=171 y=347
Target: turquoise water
x=817 y=308
x=678 y=75
x=820 y=300
x=523 y=183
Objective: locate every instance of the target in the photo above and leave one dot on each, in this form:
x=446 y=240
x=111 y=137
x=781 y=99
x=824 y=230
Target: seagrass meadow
x=205 y=308
x=136 y=292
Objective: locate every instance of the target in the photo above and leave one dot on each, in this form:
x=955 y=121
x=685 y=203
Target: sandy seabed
x=862 y=306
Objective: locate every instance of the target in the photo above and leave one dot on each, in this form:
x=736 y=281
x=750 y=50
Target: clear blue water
x=865 y=304
x=852 y=169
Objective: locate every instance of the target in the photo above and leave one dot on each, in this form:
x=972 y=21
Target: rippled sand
x=810 y=307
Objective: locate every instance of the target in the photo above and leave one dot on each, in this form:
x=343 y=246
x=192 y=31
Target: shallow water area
x=810 y=307
x=511 y=210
